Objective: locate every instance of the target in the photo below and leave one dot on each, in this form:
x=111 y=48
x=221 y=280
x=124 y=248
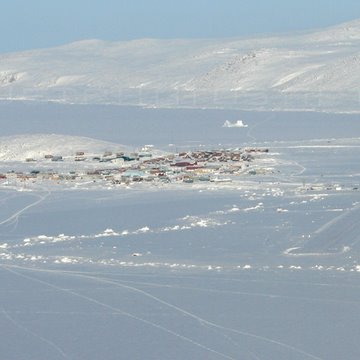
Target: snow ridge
x=22 y=147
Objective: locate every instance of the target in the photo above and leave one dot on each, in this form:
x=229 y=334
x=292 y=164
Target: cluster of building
x=144 y=166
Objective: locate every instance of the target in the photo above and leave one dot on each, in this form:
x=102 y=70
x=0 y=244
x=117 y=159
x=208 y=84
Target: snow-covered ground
x=265 y=267
x=37 y=146
x=316 y=70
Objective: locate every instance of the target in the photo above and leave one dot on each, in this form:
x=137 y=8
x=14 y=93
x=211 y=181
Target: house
x=132 y=173
x=57 y=158
x=183 y=164
x=145 y=154
x=127 y=158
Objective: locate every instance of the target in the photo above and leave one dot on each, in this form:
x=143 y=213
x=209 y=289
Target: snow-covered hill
x=317 y=70
x=21 y=147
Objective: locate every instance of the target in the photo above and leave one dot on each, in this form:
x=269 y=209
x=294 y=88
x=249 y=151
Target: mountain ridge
x=159 y=72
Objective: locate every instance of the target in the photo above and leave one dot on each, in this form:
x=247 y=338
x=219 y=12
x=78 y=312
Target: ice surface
x=266 y=267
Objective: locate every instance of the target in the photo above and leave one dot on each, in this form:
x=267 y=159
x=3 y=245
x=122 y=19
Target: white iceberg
x=237 y=124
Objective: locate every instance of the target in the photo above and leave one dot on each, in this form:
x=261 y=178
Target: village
x=146 y=165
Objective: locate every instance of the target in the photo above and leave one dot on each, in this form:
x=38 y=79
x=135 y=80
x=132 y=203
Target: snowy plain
x=265 y=267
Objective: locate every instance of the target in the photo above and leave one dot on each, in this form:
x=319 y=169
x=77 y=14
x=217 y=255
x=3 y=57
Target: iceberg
x=238 y=124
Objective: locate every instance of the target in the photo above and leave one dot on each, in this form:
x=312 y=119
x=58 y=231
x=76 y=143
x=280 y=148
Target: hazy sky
x=27 y=24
